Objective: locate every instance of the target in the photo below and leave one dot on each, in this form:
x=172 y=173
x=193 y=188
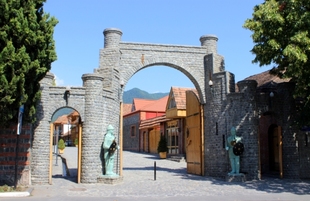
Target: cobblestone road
x=172 y=183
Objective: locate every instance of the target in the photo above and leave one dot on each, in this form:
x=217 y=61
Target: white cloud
x=59 y=82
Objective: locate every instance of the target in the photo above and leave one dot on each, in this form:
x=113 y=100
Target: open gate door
x=79 y=165
x=193 y=134
x=51 y=154
x=279 y=133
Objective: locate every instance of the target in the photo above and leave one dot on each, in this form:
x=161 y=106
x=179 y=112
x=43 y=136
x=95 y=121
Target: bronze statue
x=109 y=147
x=235 y=149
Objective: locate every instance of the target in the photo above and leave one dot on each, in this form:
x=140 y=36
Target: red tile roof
x=127 y=108
x=139 y=103
x=151 y=105
x=179 y=94
x=62 y=119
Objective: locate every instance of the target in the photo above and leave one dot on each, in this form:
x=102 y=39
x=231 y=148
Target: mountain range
x=129 y=95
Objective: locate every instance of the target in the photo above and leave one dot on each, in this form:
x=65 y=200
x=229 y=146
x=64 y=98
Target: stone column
x=210 y=42
x=41 y=156
x=112 y=37
x=92 y=128
x=247 y=120
x=110 y=56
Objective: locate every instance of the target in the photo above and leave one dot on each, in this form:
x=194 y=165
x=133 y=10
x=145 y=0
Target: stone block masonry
x=8 y=150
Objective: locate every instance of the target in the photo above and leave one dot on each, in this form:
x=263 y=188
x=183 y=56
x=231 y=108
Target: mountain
x=129 y=95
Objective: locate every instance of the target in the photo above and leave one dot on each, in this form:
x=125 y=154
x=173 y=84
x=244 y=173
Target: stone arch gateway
x=98 y=100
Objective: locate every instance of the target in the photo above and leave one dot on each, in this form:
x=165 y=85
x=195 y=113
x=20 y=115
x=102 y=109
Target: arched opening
x=156 y=79
x=270 y=140
x=273 y=148
x=143 y=133
x=65 y=144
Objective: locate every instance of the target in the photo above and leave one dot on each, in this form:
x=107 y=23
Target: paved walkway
x=172 y=183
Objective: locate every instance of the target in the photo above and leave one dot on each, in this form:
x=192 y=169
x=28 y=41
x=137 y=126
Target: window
x=133 y=131
x=172 y=103
x=173 y=140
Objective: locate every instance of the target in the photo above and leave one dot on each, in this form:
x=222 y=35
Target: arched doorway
x=170 y=121
x=270 y=140
x=275 y=150
x=65 y=128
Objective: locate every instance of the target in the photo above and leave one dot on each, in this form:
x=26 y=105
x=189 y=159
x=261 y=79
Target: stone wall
x=8 y=150
x=279 y=110
x=131 y=143
x=304 y=153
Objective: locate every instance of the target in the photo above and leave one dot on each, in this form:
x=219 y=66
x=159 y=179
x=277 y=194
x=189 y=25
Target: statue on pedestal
x=235 y=148
x=109 y=147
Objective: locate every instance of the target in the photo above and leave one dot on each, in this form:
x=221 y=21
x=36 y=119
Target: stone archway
x=99 y=101
x=66 y=125
x=127 y=58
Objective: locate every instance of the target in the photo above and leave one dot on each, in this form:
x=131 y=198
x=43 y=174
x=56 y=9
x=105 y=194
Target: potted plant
x=61 y=146
x=162 y=147
x=76 y=142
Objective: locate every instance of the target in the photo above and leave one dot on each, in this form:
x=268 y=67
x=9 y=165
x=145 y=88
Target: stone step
x=177 y=158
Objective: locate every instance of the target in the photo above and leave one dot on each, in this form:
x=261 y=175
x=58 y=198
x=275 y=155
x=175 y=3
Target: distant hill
x=129 y=95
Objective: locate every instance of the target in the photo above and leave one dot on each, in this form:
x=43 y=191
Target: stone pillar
x=92 y=128
x=40 y=160
x=246 y=121
x=210 y=42
x=109 y=56
x=213 y=140
x=112 y=37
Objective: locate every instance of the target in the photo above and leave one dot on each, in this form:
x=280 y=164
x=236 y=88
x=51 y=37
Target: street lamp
x=67 y=94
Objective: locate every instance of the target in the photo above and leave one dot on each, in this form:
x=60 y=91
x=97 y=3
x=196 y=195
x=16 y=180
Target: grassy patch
x=6 y=188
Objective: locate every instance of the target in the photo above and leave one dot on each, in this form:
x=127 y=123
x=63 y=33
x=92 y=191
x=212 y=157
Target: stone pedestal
x=110 y=179
x=236 y=177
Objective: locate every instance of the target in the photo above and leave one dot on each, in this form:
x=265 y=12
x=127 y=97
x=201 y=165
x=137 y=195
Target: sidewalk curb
x=17 y=194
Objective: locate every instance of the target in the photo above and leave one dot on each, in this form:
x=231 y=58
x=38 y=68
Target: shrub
x=61 y=144
x=162 y=144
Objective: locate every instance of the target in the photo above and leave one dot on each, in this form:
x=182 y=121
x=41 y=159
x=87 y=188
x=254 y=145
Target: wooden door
x=279 y=137
x=193 y=134
x=276 y=162
x=145 y=142
x=153 y=140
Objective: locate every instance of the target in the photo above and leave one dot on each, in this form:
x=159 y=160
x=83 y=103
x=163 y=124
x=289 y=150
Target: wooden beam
x=51 y=153
x=79 y=166
x=121 y=140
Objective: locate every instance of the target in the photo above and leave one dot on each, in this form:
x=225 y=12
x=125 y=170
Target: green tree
x=281 y=37
x=27 y=50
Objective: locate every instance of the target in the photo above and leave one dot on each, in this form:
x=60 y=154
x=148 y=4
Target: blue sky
x=79 y=35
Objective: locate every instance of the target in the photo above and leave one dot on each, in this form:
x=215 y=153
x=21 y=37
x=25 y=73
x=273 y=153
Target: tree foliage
x=27 y=50
x=281 y=35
